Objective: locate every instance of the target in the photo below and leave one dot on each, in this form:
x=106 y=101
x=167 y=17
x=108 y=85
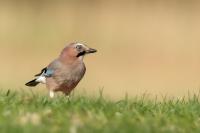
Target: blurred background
x=144 y=46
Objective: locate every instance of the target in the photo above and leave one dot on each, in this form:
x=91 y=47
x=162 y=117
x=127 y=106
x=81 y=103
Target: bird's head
x=76 y=51
x=81 y=49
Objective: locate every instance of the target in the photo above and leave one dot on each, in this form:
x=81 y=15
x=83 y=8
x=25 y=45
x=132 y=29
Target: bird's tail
x=32 y=83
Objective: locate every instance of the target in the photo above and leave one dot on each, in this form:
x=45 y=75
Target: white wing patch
x=41 y=79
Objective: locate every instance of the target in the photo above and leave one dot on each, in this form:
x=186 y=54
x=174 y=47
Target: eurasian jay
x=64 y=73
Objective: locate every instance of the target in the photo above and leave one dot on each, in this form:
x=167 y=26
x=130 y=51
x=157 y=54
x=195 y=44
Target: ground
x=22 y=112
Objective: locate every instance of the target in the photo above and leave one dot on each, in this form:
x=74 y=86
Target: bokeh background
x=144 y=46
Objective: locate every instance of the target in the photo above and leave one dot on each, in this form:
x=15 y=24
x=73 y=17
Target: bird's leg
x=67 y=96
x=51 y=93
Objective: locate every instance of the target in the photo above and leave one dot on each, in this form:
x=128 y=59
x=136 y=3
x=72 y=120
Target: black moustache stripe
x=81 y=54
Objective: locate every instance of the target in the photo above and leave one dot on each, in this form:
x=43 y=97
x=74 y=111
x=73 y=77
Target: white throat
x=81 y=57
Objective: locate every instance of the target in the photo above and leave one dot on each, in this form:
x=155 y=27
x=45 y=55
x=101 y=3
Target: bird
x=66 y=71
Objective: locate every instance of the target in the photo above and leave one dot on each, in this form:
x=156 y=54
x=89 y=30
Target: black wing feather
x=42 y=71
x=32 y=83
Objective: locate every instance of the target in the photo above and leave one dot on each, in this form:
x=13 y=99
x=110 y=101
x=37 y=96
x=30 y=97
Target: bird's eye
x=78 y=47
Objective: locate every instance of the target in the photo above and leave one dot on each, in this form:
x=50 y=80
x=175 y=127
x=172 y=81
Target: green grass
x=22 y=112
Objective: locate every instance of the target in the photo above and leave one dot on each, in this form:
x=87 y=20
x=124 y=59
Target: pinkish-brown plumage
x=65 y=72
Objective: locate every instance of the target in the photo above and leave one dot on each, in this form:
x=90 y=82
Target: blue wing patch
x=48 y=73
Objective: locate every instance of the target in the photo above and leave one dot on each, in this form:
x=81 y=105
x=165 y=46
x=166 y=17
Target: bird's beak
x=86 y=51
x=90 y=50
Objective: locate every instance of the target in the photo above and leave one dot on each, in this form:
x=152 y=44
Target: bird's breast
x=69 y=76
